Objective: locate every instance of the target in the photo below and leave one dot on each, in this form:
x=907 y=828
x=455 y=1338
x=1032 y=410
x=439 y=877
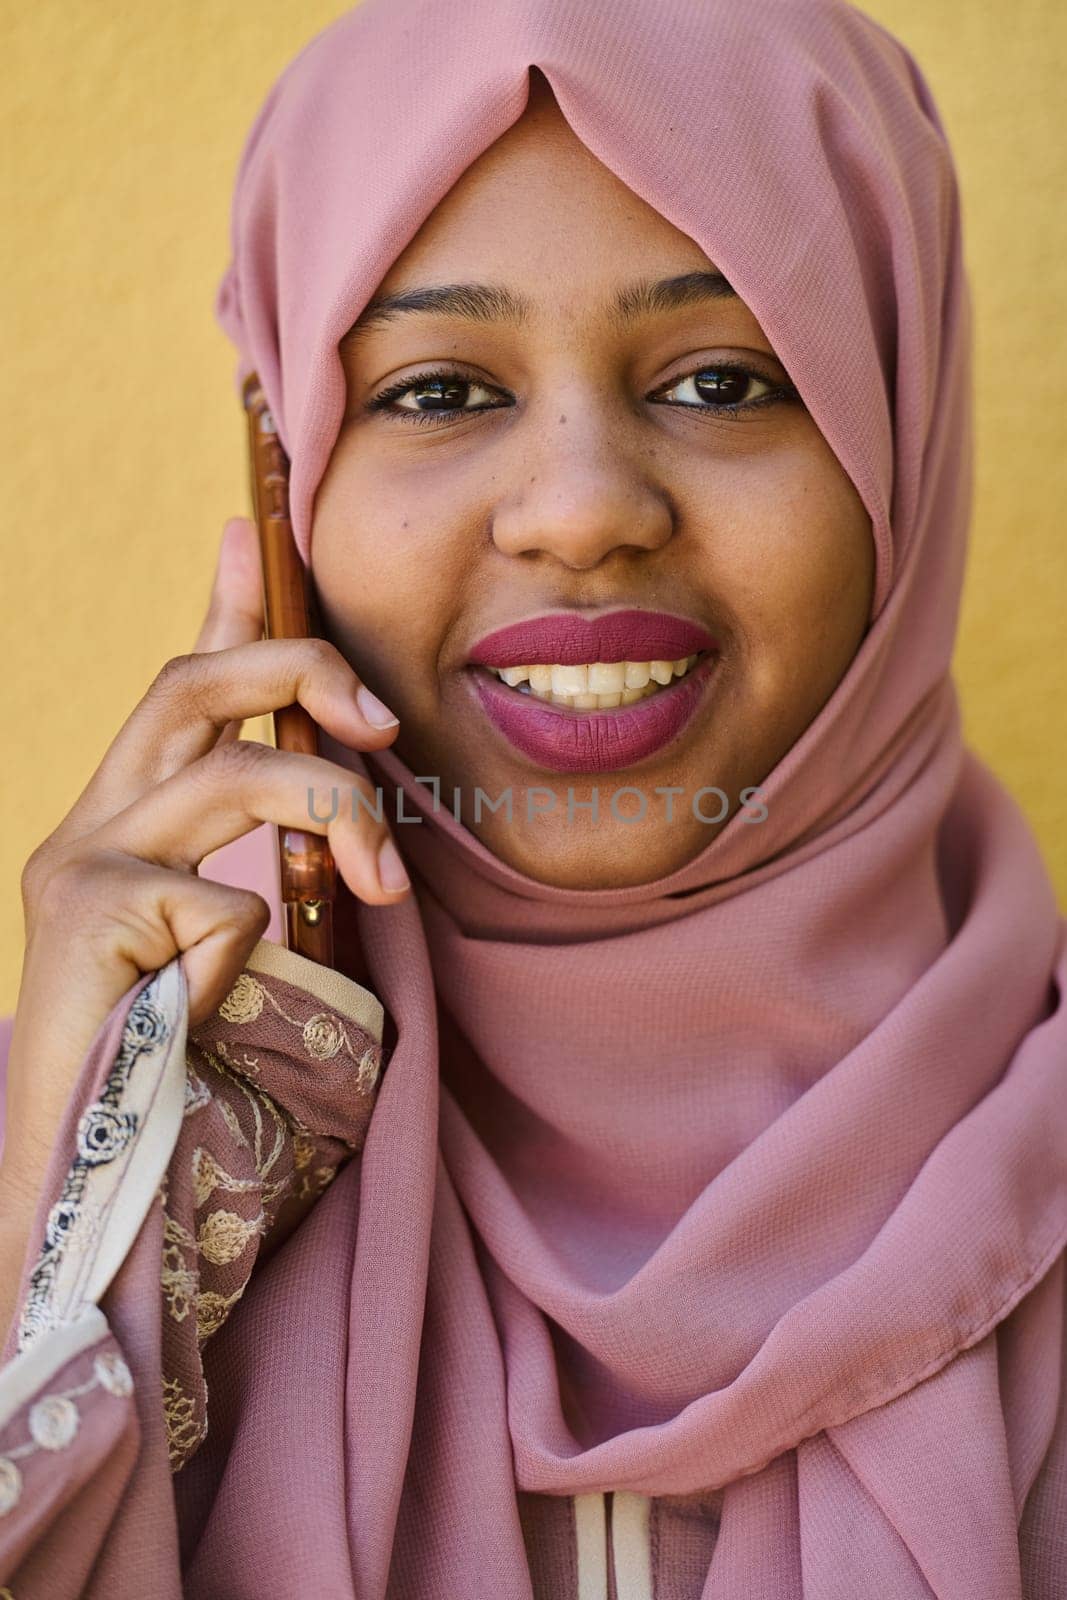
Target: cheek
x=387 y=573
x=802 y=549
x=824 y=570
x=795 y=560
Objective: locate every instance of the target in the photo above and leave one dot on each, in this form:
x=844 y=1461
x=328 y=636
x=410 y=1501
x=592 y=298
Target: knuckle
x=248 y=909
x=35 y=872
x=61 y=885
x=175 y=676
x=234 y=759
x=317 y=655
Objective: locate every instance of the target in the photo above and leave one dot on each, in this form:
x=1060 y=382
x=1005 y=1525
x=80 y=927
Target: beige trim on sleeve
x=325 y=983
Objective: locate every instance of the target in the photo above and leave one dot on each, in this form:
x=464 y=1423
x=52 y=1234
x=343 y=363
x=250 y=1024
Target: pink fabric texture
x=725 y=1181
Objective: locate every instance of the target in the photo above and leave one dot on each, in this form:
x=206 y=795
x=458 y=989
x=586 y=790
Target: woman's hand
x=113 y=892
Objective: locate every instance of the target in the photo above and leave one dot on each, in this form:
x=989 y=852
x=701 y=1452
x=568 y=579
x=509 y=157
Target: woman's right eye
x=437 y=396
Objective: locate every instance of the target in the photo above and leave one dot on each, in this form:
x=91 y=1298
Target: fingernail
x=373 y=709
x=391 y=869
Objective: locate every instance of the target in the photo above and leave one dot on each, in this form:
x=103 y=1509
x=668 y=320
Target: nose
x=583 y=490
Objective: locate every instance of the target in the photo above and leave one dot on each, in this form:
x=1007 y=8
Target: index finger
x=178 y=719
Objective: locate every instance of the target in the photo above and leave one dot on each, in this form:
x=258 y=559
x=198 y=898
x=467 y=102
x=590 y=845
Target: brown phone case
x=308 y=871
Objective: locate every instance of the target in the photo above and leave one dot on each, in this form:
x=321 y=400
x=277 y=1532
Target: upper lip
x=566 y=639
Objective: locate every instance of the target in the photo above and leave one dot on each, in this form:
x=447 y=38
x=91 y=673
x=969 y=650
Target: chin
x=617 y=855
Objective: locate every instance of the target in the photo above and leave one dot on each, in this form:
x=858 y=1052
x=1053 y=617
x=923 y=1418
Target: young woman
x=703 y=1236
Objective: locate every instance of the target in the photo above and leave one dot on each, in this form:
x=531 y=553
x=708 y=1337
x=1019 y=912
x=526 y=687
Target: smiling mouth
x=596 y=686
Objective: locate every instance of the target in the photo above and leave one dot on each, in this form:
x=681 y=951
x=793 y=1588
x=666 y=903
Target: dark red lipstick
x=566 y=639
x=563 y=738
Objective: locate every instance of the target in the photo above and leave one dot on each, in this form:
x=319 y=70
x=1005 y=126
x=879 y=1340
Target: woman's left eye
x=724 y=388
x=437 y=397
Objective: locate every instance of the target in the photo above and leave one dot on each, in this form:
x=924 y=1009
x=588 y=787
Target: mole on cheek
x=563 y=419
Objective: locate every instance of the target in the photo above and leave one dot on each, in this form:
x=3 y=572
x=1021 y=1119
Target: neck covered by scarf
x=723 y=1181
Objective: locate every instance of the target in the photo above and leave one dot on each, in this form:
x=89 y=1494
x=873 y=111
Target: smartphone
x=307 y=868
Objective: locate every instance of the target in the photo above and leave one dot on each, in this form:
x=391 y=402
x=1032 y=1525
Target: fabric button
x=113 y=1374
x=53 y=1422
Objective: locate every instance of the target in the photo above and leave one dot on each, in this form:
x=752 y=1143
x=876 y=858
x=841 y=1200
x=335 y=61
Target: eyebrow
x=486 y=302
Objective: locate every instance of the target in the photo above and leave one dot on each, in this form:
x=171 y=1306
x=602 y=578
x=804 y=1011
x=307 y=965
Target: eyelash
x=383 y=401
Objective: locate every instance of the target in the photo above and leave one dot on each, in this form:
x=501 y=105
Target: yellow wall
x=122 y=125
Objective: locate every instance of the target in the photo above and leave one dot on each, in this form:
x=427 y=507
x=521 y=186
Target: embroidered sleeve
x=73 y=1415
x=184 y=1157
x=279 y=1091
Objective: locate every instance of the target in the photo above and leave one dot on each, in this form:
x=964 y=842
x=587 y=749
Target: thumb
x=235 y=609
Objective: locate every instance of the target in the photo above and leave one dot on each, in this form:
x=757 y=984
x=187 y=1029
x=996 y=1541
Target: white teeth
x=597 y=686
x=570 y=680
x=607 y=677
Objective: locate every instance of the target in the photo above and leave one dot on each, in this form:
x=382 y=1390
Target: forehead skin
x=622 y=236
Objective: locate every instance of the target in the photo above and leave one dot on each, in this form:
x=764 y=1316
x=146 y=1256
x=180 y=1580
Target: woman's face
x=571 y=458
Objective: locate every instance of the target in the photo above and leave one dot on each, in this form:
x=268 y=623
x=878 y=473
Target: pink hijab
x=726 y=1180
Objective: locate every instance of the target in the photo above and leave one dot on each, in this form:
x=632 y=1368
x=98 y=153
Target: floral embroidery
x=246 y=1065
x=229 y=1116
x=323 y=1036
x=244 y=1001
x=184 y=1431
x=53 y=1422
x=179 y=1281
x=103 y=1134
x=250 y=1170
x=223 y=1235
x=245 y=1168
x=208 y=1175
x=104 y=1131
x=212 y=1309
x=266 y=1156
x=197 y=1093
x=36 y=1319
x=72 y=1227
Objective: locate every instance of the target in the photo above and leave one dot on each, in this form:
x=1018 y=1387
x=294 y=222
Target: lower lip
x=563 y=739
